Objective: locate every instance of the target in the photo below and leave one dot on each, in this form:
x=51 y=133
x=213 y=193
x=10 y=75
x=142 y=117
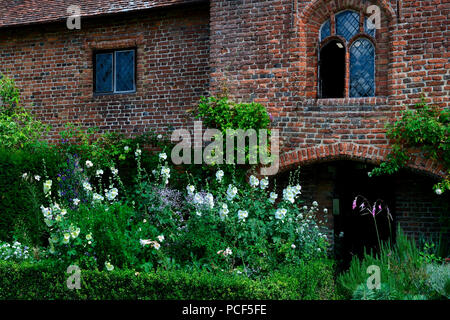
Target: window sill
x=371 y=101
x=113 y=94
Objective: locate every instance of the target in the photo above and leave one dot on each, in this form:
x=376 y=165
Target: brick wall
x=266 y=51
x=54 y=68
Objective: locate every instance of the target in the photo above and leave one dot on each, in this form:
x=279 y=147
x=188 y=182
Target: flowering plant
x=258 y=231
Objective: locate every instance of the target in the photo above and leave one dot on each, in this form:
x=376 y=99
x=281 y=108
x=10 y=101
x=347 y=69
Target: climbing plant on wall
x=424 y=128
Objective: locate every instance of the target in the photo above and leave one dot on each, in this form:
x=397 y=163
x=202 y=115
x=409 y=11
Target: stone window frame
x=361 y=34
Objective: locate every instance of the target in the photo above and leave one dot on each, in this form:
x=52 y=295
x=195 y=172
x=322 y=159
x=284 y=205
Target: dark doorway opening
x=359 y=232
x=332 y=70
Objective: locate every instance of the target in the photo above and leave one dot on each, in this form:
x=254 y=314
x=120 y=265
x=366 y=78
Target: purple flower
x=354 y=204
x=373 y=211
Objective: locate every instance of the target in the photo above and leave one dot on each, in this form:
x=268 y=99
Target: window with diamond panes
x=325 y=30
x=361 y=53
x=369 y=27
x=362 y=69
x=104 y=72
x=115 y=71
x=347 y=24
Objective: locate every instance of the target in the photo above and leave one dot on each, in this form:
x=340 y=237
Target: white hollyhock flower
x=280 y=214
x=87 y=186
x=109 y=266
x=190 y=189
x=273 y=197
x=254 y=182
x=89 y=164
x=242 y=214
x=156 y=245
x=264 y=183
x=163 y=156
x=231 y=192
x=219 y=175
x=47 y=187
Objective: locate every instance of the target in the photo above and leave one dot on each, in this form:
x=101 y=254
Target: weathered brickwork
x=266 y=51
x=54 y=68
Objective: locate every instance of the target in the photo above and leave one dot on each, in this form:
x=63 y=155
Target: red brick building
x=329 y=81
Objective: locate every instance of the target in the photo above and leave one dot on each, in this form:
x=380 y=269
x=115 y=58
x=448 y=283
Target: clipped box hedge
x=43 y=282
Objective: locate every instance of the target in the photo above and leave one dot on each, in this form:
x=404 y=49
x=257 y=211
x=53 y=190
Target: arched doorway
x=409 y=195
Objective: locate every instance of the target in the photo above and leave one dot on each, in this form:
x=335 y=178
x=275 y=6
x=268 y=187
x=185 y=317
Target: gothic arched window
x=347 y=56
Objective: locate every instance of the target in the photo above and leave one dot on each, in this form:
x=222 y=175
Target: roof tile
x=22 y=12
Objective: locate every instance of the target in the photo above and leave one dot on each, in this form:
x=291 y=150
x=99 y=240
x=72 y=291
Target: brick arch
x=313 y=7
x=308 y=24
x=355 y=152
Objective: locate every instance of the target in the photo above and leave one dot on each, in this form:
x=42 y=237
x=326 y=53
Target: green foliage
x=18 y=128
x=47 y=281
x=425 y=128
x=385 y=292
x=402 y=270
x=93 y=235
x=314 y=280
x=106 y=149
x=222 y=113
x=271 y=234
x=439 y=279
x=9 y=96
x=229 y=118
x=20 y=198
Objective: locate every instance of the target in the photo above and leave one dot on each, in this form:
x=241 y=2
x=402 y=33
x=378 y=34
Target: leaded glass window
x=104 y=72
x=333 y=81
x=124 y=75
x=369 y=27
x=325 y=30
x=115 y=71
x=347 y=24
x=362 y=68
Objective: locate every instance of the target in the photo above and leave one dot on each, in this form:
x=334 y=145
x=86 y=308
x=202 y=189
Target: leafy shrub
x=46 y=280
x=439 y=279
x=228 y=117
x=18 y=128
x=425 y=128
x=401 y=269
x=21 y=194
x=222 y=113
x=385 y=292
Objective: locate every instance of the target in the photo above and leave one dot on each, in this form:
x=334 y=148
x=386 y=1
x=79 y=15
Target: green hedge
x=45 y=282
